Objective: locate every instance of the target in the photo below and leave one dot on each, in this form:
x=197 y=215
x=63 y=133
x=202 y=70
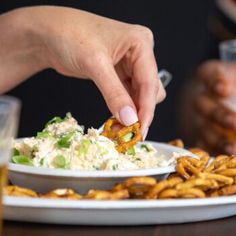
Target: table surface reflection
x=225 y=227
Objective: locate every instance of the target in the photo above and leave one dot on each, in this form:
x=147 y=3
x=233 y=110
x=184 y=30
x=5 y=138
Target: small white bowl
x=44 y=179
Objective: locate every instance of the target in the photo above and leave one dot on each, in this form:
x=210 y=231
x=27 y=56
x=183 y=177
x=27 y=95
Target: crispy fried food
x=224 y=165
x=177 y=143
x=191 y=193
x=224 y=191
x=182 y=193
x=188 y=166
x=123 y=145
x=143 y=180
x=62 y=193
x=227 y=172
x=219 y=163
x=181 y=170
x=221 y=179
x=119 y=135
x=108 y=131
x=173 y=175
x=199 y=152
x=232 y=162
x=203 y=157
x=204 y=162
x=162 y=185
x=13 y=190
x=216 y=179
x=107 y=195
x=137 y=186
x=168 y=193
x=203 y=184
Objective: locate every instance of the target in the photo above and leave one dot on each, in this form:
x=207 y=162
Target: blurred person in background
x=209 y=121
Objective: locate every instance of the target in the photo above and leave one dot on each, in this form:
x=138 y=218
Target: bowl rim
x=100 y=173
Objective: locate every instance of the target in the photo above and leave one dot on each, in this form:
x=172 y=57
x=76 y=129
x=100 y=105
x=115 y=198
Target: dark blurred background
x=181 y=38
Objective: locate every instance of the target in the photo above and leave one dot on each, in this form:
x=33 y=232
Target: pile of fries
x=194 y=178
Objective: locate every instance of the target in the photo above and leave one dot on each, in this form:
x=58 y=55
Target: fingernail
x=145 y=133
x=128 y=116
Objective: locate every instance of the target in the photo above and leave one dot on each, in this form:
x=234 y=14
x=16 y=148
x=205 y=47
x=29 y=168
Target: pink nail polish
x=128 y=116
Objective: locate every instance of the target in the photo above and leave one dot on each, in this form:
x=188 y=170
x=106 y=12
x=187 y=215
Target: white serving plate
x=123 y=212
x=45 y=179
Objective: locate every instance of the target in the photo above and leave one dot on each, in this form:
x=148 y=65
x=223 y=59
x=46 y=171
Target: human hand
x=117 y=56
x=215 y=120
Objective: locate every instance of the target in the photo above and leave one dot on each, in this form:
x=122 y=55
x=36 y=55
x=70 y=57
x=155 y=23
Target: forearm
x=21 y=54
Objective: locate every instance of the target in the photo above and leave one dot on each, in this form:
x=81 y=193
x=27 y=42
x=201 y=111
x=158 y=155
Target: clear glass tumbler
x=9 y=116
x=228 y=54
x=228 y=50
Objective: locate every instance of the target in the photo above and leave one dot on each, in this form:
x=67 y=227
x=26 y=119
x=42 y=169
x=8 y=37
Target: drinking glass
x=228 y=54
x=9 y=115
x=228 y=50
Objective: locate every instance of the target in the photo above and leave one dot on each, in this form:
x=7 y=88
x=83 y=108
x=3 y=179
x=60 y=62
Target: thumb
x=116 y=96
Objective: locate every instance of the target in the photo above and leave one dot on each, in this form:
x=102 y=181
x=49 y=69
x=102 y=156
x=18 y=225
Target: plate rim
x=11 y=201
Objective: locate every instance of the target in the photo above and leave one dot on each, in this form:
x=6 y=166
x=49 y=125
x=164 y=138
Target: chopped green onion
x=59 y=161
x=115 y=167
x=22 y=159
x=145 y=147
x=43 y=134
x=16 y=152
x=96 y=168
x=131 y=151
x=33 y=151
x=79 y=132
x=41 y=162
x=65 y=141
x=56 y=119
x=128 y=137
x=84 y=146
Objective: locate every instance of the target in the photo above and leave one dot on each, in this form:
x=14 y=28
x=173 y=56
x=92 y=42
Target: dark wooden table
x=223 y=227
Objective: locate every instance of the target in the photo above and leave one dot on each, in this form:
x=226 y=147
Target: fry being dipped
x=125 y=137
